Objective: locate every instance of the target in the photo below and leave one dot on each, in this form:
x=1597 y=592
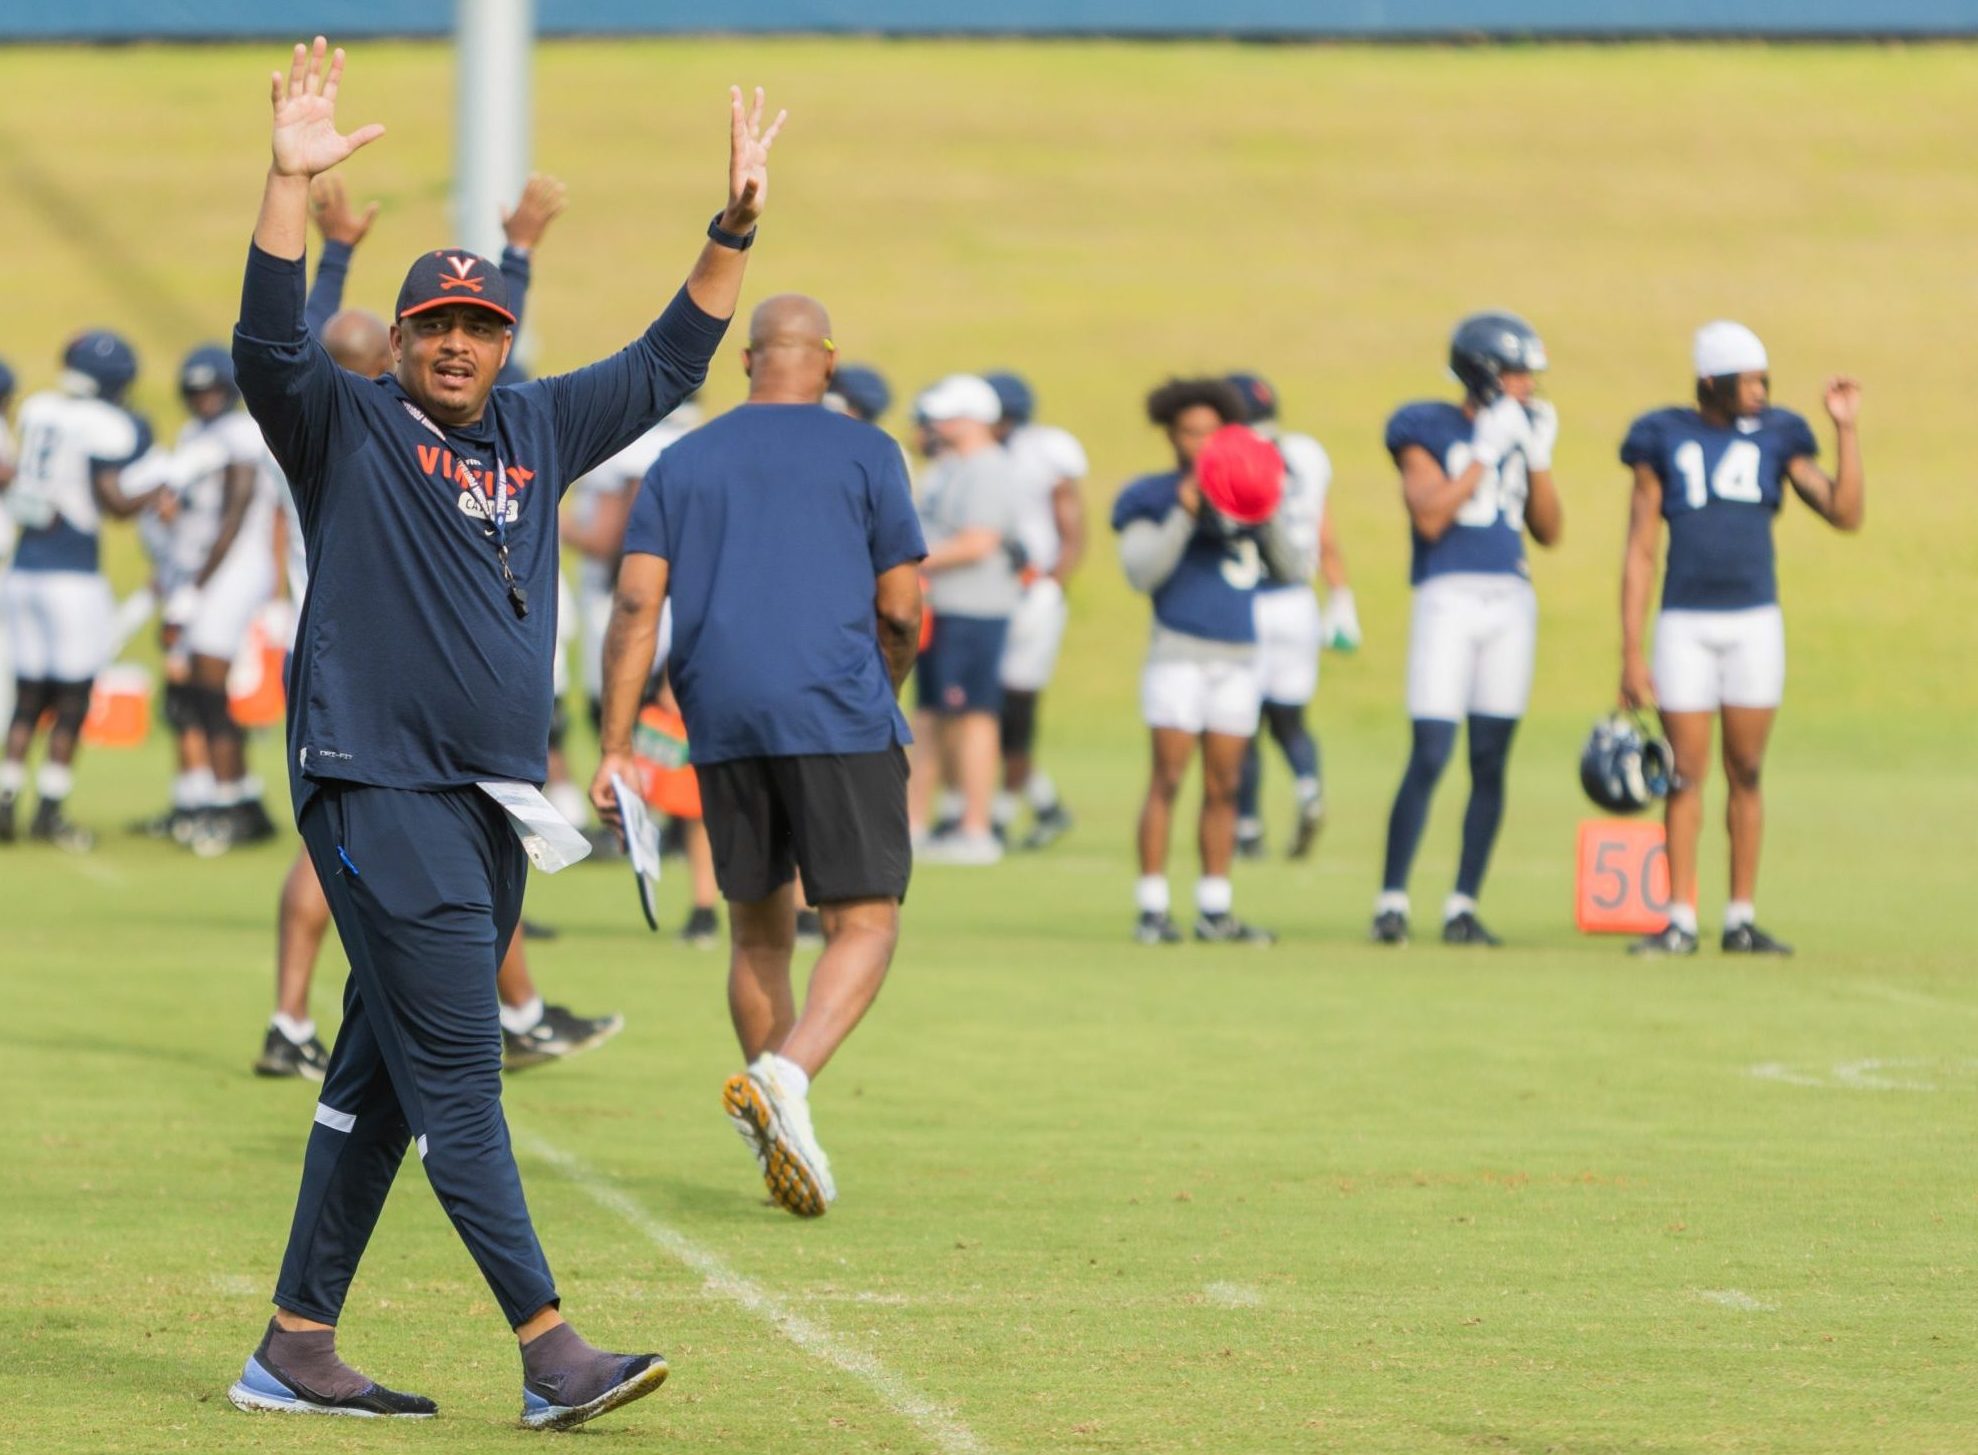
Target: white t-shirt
x=60 y=437
x=1044 y=457
x=622 y=472
x=1302 y=513
x=206 y=450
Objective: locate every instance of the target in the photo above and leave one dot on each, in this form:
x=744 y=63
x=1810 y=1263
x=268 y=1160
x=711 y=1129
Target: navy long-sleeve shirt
x=411 y=668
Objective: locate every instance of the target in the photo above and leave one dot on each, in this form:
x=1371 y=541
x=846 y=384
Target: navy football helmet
x=6 y=381
x=208 y=367
x=1259 y=398
x=1623 y=768
x=1486 y=346
x=1019 y=403
x=863 y=390
x=105 y=360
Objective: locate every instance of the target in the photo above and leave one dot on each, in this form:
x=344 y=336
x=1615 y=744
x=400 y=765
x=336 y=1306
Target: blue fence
x=1390 y=19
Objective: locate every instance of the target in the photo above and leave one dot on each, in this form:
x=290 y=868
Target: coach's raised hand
x=715 y=285
x=305 y=142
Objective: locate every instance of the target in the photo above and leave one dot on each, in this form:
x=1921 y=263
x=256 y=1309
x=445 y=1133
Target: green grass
x=1094 y=1198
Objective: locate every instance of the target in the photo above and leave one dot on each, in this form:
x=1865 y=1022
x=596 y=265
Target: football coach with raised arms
x=786 y=537
x=421 y=681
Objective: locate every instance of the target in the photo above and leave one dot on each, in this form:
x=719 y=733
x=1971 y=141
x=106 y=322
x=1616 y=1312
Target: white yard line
x=1902 y=995
x=947 y=1433
x=1736 y=1298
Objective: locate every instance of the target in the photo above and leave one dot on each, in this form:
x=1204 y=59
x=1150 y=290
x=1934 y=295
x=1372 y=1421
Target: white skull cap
x=1724 y=347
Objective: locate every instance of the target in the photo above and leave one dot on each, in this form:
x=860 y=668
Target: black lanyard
x=495 y=512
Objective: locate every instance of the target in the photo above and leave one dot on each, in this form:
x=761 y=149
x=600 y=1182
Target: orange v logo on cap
x=462 y=268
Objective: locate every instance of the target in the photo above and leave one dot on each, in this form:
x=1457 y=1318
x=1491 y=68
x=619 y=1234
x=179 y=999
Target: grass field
x=1096 y=1198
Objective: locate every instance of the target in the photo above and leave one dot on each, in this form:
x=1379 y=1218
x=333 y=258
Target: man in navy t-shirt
x=420 y=690
x=786 y=538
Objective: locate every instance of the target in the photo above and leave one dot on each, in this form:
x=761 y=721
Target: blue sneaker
x=638 y=1377
x=264 y=1386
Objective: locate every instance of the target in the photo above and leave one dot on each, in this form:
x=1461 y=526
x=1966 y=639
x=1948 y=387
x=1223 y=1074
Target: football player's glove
x=1623 y=768
x=1545 y=433
x=1342 y=622
x=1486 y=346
x=1501 y=429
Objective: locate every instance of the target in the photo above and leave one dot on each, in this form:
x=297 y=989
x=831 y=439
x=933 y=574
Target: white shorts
x=59 y=622
x=1705 y=660
x=229 y=602
x=1202 y=697
x=1471 y=647
x=1288 y=637
x=1037 y=630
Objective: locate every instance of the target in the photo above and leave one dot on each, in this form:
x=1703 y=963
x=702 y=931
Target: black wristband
x=740 y=242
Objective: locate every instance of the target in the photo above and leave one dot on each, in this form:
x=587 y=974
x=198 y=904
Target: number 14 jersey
x=1721 y=487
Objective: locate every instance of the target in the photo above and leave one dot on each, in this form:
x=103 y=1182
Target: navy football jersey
x=1488 y=534
x=1720 y=489
x=1212 y=591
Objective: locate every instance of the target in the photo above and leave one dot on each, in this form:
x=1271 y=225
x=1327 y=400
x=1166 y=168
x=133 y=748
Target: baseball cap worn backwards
x=453 y=275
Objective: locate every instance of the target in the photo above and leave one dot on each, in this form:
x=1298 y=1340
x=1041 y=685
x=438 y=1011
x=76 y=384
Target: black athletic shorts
x=840 y=818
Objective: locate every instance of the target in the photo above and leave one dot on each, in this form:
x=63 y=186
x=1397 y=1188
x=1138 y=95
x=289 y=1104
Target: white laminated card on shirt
x=548 y=838
x=641 y=847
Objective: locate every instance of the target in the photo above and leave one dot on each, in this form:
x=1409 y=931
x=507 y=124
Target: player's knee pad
x=1286 y=721
x=32 y=697
x=1434 y=741
x=181 y=708
x=71 y=704
x=216 y=715
x=1019 y=722
x=1490 y=748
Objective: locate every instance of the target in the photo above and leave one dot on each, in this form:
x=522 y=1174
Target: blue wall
x=128 y=19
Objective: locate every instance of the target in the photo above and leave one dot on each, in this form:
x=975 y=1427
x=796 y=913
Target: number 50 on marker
x=1622 y=883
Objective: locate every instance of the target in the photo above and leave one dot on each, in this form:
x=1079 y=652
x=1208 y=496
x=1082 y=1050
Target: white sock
x=1042 y=792
x=1308 y=789
x=1002 y=813
x=251 y=789
x=226 y=795
x=54 y=780
x=1150 y=892
x=193 y=788
x=295 y=1032
x=1214 y=894
x=519 y=1020
x=1457 y=904
x=1739 y=913
x=1249 y=828
x=948 y=806
x=1683 y=917
x=13 y=778
x=1391 y=899
x=568 y=799
x=791 y=1075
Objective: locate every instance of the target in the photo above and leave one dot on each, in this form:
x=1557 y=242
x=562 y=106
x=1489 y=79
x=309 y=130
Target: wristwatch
x=740 y=242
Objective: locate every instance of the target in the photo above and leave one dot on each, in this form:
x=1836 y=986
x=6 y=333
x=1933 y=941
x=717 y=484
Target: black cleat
x=1156 y=927
x=1250 y=843
x=558 y=1036
x=7 y=831
x=1671 y=939
x=162 y=826
x=1050 y=825
x=637 y=1377
x=282 y=1057
x=251 y=824
x=1749 y=939
x=810 y=929
x=50 y=827
x=1227 y=929
x=264 y=1386
x=1467 y=929
x=1311 y=818
x=533 y=930
x=1390 y=928
x=702 y=931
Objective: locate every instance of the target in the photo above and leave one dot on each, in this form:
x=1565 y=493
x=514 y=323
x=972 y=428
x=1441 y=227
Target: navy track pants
x=426 y=888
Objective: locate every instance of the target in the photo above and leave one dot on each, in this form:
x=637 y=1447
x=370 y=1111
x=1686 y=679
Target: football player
x=860 y=391
x=1717 y=474
x=8 y=537
x=1049 y=467
x=76 y=440
x=1200 y=685
x=1475 y=477
x=223 y=552
x=1291 y=628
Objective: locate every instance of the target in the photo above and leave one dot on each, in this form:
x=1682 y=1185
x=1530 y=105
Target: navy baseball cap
x=449 y=276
